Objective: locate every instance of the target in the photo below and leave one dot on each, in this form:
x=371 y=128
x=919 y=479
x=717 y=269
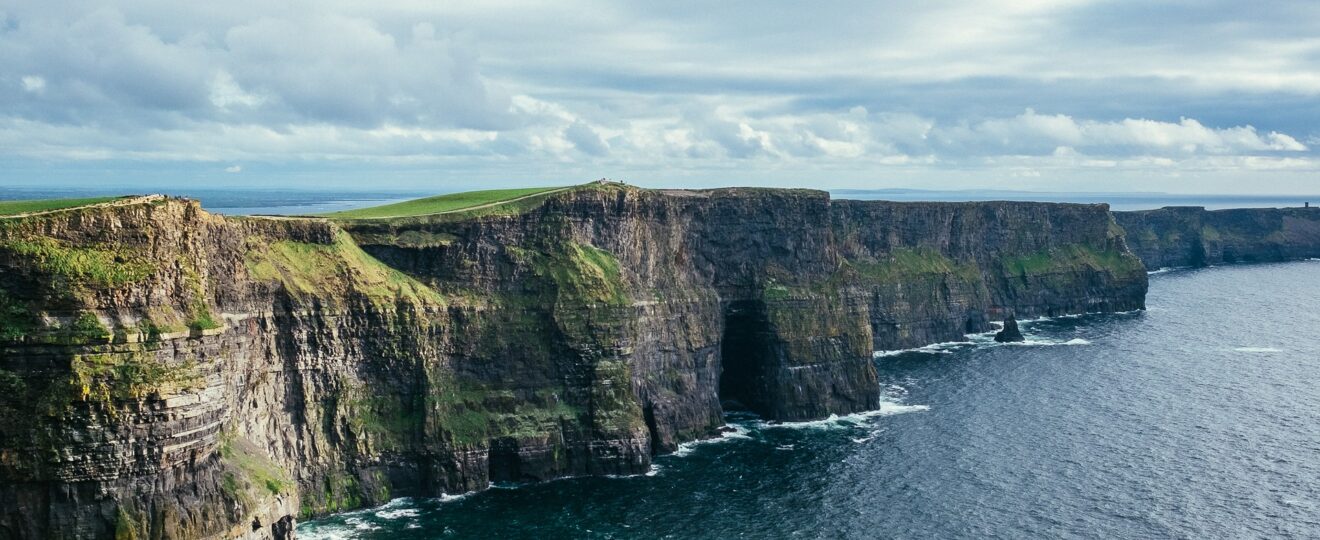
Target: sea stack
x=1010 y=333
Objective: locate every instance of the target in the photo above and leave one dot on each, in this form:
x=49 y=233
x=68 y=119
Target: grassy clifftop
x=453 y=202
x=10 y=208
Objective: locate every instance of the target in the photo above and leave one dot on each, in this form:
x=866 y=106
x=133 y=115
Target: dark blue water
x=1199 y=418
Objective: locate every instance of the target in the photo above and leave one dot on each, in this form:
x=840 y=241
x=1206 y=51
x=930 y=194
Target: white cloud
x=232 y=169
x=861 y=89
x=34 y=84
x=1031 y=132
x=586 y=139
x=226 y=93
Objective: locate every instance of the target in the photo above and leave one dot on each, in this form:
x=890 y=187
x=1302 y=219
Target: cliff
x=1181 y=236
x=165 y=372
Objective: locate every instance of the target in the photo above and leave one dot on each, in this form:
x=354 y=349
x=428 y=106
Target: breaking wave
x=1260 y=350
x=730 y=432
x=934 y=348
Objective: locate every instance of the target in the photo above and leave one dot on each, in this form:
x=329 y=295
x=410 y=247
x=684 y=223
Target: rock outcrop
x=1010 y=332
x=169 y=373
x=1191 y=236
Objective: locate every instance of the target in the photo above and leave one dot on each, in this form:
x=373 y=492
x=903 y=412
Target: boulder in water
x=1010 y=333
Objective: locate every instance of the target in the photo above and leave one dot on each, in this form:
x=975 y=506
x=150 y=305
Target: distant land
x=249 y=201
x=1116 y=200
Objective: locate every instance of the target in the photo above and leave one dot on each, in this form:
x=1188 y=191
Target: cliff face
x=169 y=373
x=1193 y=236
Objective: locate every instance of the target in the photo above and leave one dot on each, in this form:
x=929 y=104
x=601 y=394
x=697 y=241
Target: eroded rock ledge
x=165 y=372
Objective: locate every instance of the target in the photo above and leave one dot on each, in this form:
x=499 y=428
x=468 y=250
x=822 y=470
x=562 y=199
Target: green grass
x=259 y=470
x=9 y=208
x=906 y=263
x=584 y=274
x=16 y=320
x=317 y=269
x=440 y=204
x=1070 y=258
x=100 y=268
x=107 y=378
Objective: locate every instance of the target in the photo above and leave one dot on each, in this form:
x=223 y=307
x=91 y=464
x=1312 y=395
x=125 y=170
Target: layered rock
x=1191 y=236
x=169 y=373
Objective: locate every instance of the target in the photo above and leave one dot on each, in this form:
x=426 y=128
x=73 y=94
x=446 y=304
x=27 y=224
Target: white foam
x=986 y=339
x=360 y=525
x=323 y=532
x=445 y=497
x=1046 y=343
x=834 y=421
x=729 y=432
x=399 y=512
x=1261 y=350
x=933 y=348
x=890 y=408
x=356 y=522
x=1161 y=270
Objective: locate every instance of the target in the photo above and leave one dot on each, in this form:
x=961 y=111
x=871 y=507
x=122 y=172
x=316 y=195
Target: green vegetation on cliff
x=440 y=204
x=1071 y=258
x=472 y=413
x=907 y=263
x=16 y=320
x=9 y=208
x=249 y=465
x=129 y=374
x=582 y=274
x=101 y=267
x=307 y=269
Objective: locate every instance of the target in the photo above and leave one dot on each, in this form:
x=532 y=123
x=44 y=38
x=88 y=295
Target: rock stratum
x=1191 y=236
x=169 y=373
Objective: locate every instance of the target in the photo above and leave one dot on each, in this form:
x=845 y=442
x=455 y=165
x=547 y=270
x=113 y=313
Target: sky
x=1188 y=96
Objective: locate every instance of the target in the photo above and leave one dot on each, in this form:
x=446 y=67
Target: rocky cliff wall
x=1182 y=236
x=170 y=373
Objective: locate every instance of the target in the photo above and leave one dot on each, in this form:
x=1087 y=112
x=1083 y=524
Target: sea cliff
x=1191 y=236
x=165 y=372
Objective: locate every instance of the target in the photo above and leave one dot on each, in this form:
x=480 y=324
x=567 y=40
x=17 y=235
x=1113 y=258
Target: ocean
x=1197 y=418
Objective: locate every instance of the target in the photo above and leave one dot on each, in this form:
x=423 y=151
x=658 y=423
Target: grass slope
x=9 y=208
x=440 y=204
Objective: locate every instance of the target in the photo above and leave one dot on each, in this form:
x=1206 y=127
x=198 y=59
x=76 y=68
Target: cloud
x=335 y=69
x=586 y=139
x=853 y=91
x=233 y=169
x=1034 y=133
x=34 y=84
x=348 y=70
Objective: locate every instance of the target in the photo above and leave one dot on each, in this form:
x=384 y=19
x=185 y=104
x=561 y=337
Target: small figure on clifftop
x=1010 y=333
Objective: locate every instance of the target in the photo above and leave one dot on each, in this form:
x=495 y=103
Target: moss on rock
x=331 y=270
x=93 y=268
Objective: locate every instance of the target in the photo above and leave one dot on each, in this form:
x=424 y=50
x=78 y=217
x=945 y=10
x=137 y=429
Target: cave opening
x=744 y=352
